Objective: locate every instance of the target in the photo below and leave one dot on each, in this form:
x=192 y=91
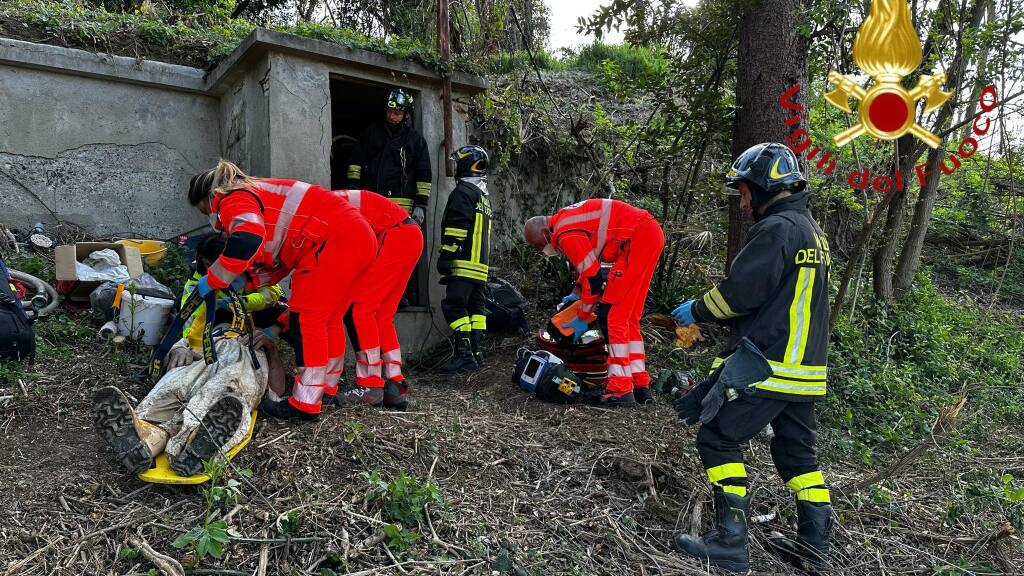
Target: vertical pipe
x=444 y=50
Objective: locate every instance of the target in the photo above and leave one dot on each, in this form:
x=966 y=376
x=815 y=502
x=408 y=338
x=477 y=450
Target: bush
x=633 y=61
x=892 y=370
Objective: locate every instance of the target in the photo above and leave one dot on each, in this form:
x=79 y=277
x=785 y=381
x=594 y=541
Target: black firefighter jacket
x=466 y=234
x=776 y=294
x=392 y=161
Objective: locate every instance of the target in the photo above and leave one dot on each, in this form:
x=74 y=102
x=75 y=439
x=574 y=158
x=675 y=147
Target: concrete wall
x=245 y=119
x=113 y=157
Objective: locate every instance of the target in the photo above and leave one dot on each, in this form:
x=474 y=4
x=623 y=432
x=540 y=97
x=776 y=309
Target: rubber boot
x=283 y=410
x=218 y=425
x=463 y=359
x=396 y=394
x=725 y=546
x=361 y=396
x=617 y=400
x=134 y=442
x=809 y=552
x=643 y=395
x=475 y=338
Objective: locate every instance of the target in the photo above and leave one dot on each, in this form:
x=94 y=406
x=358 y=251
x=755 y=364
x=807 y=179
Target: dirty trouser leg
x=644 y=252
x=720 y=441
x=162 y=406
x=455 y=305
x=794 y=455
x=401 y=248
x=321 y=288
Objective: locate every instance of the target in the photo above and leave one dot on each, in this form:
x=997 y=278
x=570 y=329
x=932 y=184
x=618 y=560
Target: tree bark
x=772 y=58
x=882 y=260
x=910 y=256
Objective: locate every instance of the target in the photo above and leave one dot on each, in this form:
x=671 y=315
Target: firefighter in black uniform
x=776 y=297
x=391 y=159
x=464 y=256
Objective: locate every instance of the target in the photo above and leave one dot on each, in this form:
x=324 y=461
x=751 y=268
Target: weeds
x=214 y=534
x=403 y=501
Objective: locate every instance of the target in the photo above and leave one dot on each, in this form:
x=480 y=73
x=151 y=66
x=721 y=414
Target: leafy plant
x=210 y=538
x=402 y=498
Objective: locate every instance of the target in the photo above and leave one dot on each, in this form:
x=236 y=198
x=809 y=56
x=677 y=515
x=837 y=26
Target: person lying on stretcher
x=196 y=410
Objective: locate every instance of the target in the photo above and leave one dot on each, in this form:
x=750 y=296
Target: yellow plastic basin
x=152 y=250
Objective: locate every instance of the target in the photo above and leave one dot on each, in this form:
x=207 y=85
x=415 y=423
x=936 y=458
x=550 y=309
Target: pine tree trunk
x=772 y=58
x=882 y=259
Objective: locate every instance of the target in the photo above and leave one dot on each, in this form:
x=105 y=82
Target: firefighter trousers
x=623 y=304
x=323 y=287
x=371 y=320
x=720 y=441
x=464 y=305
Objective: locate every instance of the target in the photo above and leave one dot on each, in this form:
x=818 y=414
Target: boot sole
x=115 y=423
x=217 y=427
x=733 y=567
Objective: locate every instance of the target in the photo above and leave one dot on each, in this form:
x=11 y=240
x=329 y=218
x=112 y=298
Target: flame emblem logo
x=888 y=49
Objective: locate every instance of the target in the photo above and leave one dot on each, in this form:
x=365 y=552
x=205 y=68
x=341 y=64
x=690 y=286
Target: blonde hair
x=228 y=177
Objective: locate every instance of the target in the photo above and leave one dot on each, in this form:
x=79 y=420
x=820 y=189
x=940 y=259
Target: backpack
x=506 y=308
x=17 y=339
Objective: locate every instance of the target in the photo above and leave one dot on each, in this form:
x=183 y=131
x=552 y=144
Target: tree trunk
x=882 y=260
x=910 y=257
x=772 y=58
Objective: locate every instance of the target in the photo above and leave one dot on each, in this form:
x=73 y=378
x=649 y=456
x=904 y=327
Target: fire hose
x=43 y=301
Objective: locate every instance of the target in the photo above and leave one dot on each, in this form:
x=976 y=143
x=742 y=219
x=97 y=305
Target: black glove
x=688 y=405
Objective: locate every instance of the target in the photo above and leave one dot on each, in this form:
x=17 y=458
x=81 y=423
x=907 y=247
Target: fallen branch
x=165 y=564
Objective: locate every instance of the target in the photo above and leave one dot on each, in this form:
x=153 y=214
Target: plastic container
x=148 y=319
x=152 y=250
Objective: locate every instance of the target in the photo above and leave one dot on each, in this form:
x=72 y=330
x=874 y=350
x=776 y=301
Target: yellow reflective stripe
x=471 y=265
x=423 y=188
x=719 y=300
x=800 y=316
x=449 y=248
x=804 y=371
x=354 y=171
x=789 y=387
x=740 y=491
x=730 y=470
x=403 y=202
x=814 y=495
x=461 y=324
x=713 y=307
x=479 y=321
x=470 y=274
x=456 y=232
x=808 y=480
x=478 y=235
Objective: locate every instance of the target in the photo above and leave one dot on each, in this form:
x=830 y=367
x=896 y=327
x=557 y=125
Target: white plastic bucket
x=147 y=320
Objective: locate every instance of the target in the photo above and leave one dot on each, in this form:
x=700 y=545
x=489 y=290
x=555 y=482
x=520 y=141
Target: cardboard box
x=66 y=256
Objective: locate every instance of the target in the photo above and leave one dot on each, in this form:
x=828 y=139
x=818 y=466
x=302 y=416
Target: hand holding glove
x=419 y=214
x=684 y=313
x=578 y=326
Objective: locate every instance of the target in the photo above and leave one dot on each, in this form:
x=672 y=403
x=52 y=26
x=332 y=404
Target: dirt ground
x=528 y=488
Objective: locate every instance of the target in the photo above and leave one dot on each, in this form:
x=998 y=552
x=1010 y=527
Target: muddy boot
x=809 y=552
x=361 y=396
x=116 y=424
x=643 y=395
x=396 y=394
x=218 y=425
x=616 y=400
x=283 y=410
x=475 y=338
x=726 y=546
x=463 y=359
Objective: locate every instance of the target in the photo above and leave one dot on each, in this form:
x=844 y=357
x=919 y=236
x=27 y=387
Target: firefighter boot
x=809 y=552
x=218 y=425
x=396 y=394
x=283 y=410
x=133 y=441
x=475 y=338
x=463 y=359
x=726 y=545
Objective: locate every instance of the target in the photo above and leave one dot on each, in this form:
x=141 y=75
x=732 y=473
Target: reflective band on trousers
x=392 y=363
x=619 y=370
x=638 y=366
x=309 y=384
x=368 y=363
x=294 y=195
x=808 y=480
x=731 y=470
x=636 y=347
x=618 y=350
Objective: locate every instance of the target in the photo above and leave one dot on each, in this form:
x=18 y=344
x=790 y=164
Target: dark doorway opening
x=354 y=106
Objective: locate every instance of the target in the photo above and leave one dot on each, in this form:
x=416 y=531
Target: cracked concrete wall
x=111 y=157
x=299 y=94
x=245 y=119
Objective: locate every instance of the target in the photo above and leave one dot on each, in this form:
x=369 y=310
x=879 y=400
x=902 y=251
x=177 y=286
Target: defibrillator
x=544 y=374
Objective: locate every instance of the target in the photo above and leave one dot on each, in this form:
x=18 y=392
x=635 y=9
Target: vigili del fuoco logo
x=887 y=49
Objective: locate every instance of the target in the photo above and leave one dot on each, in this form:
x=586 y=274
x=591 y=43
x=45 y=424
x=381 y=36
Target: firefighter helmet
x=768 y=168
x=400 y=99
x=470 y=161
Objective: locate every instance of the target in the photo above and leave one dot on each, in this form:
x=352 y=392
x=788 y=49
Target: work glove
x=203 y=287
x=684 y=313
x=419 y=214
x=572 y=297
x=578 y=326
x=688 y=403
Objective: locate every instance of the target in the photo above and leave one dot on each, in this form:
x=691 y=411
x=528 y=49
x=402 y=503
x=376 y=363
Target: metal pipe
x=444 y=51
